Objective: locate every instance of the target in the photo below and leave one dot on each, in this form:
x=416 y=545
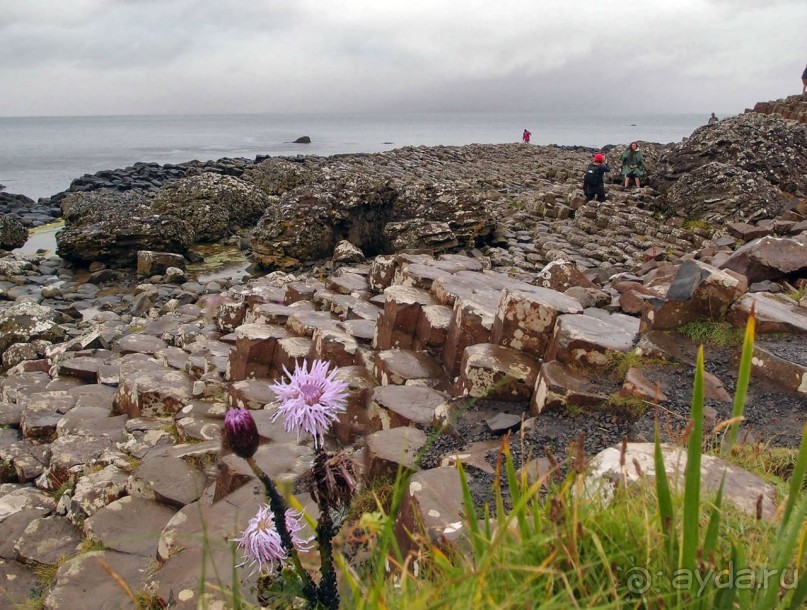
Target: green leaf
x=797 y=478
x=713 y=529
x=665 y=504
x=692 y=476
x=743 y=377
x=470 y=513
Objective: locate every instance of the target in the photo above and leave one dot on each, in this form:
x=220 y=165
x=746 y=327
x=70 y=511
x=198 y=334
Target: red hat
x=598 y=158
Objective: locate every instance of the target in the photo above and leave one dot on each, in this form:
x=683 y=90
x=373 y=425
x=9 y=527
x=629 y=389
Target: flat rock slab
x=130 y=525
x=18 y=584
x=82 y=367
x=43 y=412
x=496 y=373
x=387 y=450
x=280 y=461
x=83 y=582
x=432 y=507
x=139 y=344
x=581 y=339
x=399 y=367
x=13 y=527
x=773 y=315
x=46 y=540
x=789 y=375
x=24 y=498
x=69 y=452
x=17 y=388
x=251 y=394
x=396 y=405
x=742 y=489
x=95 y=490
x=169 y=480
x=768 y=258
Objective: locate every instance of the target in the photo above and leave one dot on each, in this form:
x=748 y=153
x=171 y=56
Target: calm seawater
x=39 y=156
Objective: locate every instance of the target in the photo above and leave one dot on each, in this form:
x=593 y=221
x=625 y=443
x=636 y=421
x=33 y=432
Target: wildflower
x=261 y=542
x=311 y=400
x=241 y=433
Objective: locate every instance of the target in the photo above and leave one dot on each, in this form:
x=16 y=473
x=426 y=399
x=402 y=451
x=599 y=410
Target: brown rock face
x=792 y=107
x=768 y=258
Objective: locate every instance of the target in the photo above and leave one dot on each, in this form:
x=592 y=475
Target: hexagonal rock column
x=254 y=350
x=471 y=322
x=432 y=507
x=405 y=367
x=382 y=271
x=46 y=540
x=355 y=421
x=43 y=412
x=561 y=275
x=581 y=339
x=558 y=385
x=155 y=393
x=251 y=394
x=432 y=328
x=336 y=346
x=396 y=325
x=387 y=450
x=496 y=373
x=289 y=352
x=394 y=405
x=525 y=320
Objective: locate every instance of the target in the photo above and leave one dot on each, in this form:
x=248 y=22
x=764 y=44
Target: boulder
x=211 y=204
x=25 y=321
x=768 y=258
x=13 y=233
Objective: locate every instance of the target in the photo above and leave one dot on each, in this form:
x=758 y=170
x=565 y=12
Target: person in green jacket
x=632 y=164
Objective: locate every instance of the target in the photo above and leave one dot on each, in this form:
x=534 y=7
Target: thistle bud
x=241 y=433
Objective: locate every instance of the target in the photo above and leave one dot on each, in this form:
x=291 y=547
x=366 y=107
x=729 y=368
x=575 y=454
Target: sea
x=40 y=156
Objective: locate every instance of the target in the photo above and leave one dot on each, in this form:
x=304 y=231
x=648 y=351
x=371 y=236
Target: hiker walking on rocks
x=593 y=181
x=633 y=164
x=525 y=137
x=712 y=119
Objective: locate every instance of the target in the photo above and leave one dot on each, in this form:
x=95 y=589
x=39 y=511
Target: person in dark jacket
x=593 y=181
x=804 y=82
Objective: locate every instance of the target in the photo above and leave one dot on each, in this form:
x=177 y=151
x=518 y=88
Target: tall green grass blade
x=515 y=490
x=800 y=594
x=665 y=504
x=797 y=478
x=692 y=476
x=470 y=513
x=713 y=528
x=725 y=596
x=785 y=544
x=743 y=377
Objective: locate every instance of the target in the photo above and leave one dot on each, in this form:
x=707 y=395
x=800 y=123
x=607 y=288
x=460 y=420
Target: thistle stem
x=328 y=592
x=278 y=506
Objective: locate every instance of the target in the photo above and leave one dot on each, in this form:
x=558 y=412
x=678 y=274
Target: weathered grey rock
x=773 y=315
x=17 y=584
x=582 y=339
x=394 y=405
x=169 y=480
x=156 y=263
x=95 y=490
x=345 y=252
x=387 y=450
x=155 y=393
x=741 y=489
x=281 y=461
x=211 y=204
x=433 y=507
x=768 y=258
x=82 y=576
x=129 y=525
x=13 y=233
x=558 y=385
x=405 y=367
x=46 y=540
x=24 y=322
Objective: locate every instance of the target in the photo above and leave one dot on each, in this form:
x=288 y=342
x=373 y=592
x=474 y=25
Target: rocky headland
x=466 y=289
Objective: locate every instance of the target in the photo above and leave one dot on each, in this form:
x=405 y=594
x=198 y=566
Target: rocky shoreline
x=467 y=284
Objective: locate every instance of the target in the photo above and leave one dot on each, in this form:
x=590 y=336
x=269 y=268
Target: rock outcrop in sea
x=470 y=287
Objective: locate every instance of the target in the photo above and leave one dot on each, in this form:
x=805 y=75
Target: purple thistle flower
x=241 y=433
x=311 y=400
x=261 y=542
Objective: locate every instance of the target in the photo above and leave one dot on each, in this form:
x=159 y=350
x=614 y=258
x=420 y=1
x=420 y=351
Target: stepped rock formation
x=492 y=298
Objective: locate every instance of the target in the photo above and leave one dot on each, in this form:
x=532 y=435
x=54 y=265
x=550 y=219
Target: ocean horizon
x=40 y=156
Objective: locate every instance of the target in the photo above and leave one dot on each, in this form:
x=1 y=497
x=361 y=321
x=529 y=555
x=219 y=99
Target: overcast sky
x=91 y=57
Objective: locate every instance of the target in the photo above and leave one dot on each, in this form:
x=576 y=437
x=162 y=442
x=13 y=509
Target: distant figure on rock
x=593 y=182
x=525 y=137
x=712 y=119
x=633 y=164
x=804 y=81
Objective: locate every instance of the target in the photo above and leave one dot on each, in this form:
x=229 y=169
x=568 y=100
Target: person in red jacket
x=525 y=137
